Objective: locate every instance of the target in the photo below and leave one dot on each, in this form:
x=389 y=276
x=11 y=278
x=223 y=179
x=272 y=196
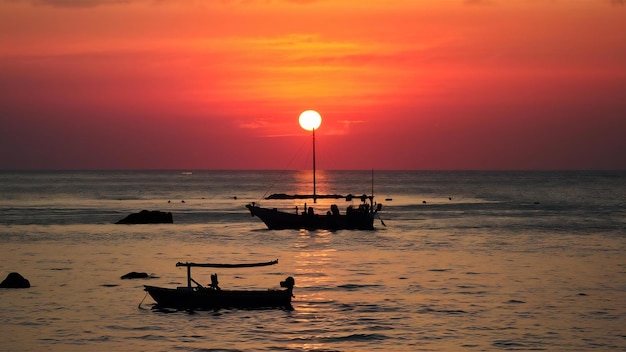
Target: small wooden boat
x=213 y=297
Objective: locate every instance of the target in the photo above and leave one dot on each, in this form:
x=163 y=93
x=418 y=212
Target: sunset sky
x=400 y=84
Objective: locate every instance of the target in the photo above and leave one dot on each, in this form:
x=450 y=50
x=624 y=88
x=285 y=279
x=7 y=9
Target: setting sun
x=310 y=120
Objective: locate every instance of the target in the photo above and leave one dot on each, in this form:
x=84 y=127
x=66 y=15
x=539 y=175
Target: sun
x=310 y=120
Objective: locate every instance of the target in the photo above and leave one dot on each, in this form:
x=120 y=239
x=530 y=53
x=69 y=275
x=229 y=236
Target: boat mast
x=310 y=120
x=372 y=182
x=314 y=185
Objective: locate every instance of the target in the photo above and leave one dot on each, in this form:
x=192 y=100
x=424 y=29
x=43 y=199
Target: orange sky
x=219 y=84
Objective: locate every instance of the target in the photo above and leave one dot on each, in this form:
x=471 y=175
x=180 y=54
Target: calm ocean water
x=469 y=261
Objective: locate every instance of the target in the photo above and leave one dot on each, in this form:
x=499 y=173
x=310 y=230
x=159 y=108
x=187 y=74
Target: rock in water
x=15 y=280
x=134 y=275
x=148 y=217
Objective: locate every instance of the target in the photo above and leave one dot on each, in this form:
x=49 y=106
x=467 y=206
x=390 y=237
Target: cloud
x=477 y=2
x=491 y=2
x=251 y=125
x=73 y=3
x=96 y=3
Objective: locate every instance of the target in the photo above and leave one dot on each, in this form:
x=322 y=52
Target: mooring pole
x=189 y=276
x=314 y=185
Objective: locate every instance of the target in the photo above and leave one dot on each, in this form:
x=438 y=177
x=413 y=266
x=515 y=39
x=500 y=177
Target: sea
x=459 y=261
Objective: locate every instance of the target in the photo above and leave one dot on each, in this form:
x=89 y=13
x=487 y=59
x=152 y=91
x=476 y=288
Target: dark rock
x=15 y=280
x=134 y=275
x=148 y=217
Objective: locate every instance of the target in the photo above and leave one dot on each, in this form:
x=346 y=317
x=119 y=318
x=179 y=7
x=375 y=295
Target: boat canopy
x=215 y=265
x=348 y=197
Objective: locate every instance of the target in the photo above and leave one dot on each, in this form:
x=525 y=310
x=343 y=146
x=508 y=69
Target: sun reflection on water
x=314 y=259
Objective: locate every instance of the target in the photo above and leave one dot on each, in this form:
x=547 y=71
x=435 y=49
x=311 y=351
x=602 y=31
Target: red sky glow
x=433 y=84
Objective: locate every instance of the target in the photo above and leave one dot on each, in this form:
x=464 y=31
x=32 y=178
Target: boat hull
x=208 y=298
x=280 y=220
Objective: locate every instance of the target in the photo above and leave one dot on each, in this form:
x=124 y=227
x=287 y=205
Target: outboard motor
x=288 y=283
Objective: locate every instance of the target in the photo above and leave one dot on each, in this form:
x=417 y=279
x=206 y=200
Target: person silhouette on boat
x=214 y=283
